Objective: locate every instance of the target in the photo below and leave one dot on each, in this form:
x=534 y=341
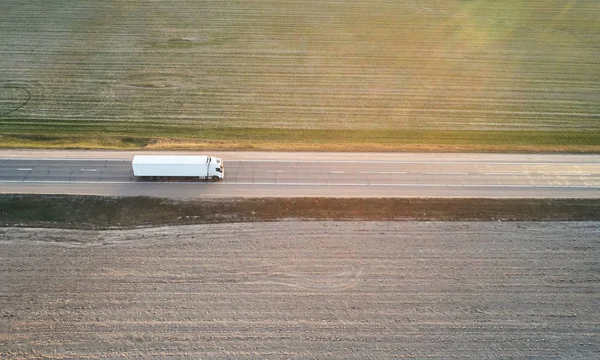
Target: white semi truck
x=165 y=166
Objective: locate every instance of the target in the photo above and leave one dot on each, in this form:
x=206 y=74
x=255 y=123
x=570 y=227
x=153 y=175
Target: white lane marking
x=466 y=162
x=444 y=173
x=337 y=172
x=87 y=169
x=506 y=173
x=69 y=182
x=64 y=159
x=271 y=171
x=24 y=169
x=383 y=172
x=414 y=185
x=573 y=174
x=308 y=184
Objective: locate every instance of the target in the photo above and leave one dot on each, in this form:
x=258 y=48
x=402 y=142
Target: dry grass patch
x=188 y=138
x=175 y=144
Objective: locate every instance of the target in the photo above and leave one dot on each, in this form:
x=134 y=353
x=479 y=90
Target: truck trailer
x=177 y=166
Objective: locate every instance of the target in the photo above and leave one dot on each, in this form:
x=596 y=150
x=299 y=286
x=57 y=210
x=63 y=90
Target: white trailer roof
x=169 y=159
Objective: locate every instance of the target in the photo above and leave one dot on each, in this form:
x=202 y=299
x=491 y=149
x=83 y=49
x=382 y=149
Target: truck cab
x=216 y=168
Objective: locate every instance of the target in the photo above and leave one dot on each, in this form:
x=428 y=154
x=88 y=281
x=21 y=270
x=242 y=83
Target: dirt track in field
x=334 y=290
x=123 y=66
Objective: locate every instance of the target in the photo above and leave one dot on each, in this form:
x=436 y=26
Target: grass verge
x=97 y=212
x=180 y=138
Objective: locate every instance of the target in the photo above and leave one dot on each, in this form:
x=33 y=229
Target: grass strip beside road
x=164 y=137
x=97 y=212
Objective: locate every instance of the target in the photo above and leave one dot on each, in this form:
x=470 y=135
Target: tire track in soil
x=13 y=106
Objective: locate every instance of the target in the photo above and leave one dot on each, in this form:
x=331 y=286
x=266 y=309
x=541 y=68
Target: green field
x=476 y=75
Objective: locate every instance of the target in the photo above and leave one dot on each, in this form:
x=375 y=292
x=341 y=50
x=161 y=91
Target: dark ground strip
x=97 y=212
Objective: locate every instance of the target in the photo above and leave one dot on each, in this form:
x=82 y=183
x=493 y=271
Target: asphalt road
x=314 y=174
x=303 y=290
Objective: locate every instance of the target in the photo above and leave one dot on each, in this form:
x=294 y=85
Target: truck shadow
x=166 y=179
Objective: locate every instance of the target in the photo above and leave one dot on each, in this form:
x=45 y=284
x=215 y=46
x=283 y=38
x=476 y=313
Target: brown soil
x=303 y=290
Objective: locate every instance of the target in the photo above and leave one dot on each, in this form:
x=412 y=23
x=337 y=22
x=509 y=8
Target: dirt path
x=334 y=290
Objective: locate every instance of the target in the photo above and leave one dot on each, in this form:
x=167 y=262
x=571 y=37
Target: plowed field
x=303 y=290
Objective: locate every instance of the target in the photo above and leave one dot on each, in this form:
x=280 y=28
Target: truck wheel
x=215 y=178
